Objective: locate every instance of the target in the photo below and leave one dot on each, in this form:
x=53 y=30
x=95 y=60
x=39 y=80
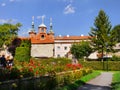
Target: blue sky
x=69 y=17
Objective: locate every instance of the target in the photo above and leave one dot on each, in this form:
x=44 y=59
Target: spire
x=50 y=23
x=33 y=24
x=42 y=25
x=51 y=28
x=43 y=19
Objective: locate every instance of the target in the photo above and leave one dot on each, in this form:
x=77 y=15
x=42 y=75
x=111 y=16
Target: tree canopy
x=8 y=32
x=116 y=31
x=103 y=38
x=80 y=50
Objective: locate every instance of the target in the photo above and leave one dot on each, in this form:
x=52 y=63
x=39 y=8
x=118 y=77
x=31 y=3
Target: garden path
x=102 y=82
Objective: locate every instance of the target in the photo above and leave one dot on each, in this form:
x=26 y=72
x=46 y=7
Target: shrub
x=115 y=58
x=99 y=65
x=22 y=54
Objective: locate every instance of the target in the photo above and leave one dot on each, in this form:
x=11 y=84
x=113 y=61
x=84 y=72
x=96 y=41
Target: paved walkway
x=102 y=82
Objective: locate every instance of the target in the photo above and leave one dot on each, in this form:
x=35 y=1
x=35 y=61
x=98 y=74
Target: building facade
x=62 y=44
x=45 y=44
x=42 y=43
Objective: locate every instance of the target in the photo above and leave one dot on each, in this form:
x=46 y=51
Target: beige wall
x=42 y=50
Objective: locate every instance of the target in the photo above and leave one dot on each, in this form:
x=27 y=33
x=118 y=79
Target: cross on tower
x=43 y=19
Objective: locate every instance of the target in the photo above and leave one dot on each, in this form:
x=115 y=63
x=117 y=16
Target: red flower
x=30 y=69
x=36 y=72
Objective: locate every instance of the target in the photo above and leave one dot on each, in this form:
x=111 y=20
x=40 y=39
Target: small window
x=58 y=47
x=42 y=36
x=42 y=30
x=58 y=55
x=65 y=48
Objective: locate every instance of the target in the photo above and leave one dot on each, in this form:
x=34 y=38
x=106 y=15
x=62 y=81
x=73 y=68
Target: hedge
x=99 y=65
x=22 y=54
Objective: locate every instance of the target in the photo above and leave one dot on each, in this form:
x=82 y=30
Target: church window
x=42 y=36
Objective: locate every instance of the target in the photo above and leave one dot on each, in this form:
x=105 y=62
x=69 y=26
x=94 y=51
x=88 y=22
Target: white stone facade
x=42 y=50
x=61 y=49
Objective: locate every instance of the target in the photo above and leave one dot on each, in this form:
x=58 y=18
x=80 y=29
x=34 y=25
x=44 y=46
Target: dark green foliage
x=81 y=49
x=15 y=43
x=22 y=53
x=99 y=65
x=103 y=39
x=116 y=31
x=115 y=58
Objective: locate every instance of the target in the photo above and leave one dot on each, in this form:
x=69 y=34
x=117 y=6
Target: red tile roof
x=24 y=38
x=72 y=37
x=38 y=40
x=48 y=40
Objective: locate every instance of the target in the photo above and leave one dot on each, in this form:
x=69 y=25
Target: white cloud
x=8 y=20
x=3 y=4
x=69 y=9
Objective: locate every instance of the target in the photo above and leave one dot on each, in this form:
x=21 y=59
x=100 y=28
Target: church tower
x=51 y=33
x=42 y=29
x=32 y=32
x=42 y=45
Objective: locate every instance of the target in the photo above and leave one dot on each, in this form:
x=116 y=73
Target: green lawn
x=116 y=81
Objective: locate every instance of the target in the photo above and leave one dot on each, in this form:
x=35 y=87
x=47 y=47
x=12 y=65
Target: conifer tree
x=116 y=31
x=103 y=39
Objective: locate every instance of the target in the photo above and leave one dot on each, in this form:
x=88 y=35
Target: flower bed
x=35 y=74
x=52 y=81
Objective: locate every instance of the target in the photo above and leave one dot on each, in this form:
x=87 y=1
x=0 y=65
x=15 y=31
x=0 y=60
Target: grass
x=116 y=81
x=81 y=81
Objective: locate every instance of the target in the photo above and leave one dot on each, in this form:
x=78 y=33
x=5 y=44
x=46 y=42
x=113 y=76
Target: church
x=45 y=44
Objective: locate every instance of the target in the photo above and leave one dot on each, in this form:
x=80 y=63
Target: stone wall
x=42 y=50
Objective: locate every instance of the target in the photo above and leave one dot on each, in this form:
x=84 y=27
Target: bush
x=115 y=58
x=22 y=54
x=99 y=65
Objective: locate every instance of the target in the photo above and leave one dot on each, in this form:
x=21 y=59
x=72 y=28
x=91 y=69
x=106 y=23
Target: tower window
x=42 y=30
x=42 y=36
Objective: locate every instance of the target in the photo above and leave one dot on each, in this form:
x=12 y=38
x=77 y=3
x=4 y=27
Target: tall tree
x=103 y=39
x=116 y=31
x=8 y=32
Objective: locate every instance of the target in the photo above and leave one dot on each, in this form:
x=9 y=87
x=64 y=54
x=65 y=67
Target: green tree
x=79 y=50
x=116 y=31
x=8 y=32
x=103 y=39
